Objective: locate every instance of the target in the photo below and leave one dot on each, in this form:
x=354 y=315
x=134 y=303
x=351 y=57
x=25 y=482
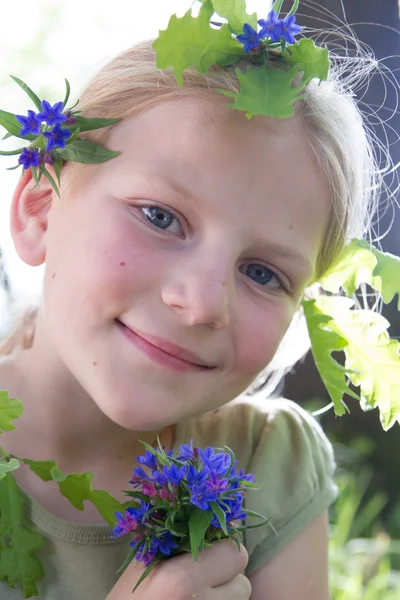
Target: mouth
x=164 y=352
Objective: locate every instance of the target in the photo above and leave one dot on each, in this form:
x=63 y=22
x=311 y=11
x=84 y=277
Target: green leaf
x=234 y=11
x=145 y=573
x=372 y=358
x=294 y=8
x=265 y=91
x=10 y=409
x=50 y=179
x=324 y=341
x=35 y=176
x=129 y=558
x=67 y=92
x=359 y=262
x=219 y=513
x=85 y=151
x=58 y=163
x=77 y=487
x=277 y=5
x=85 y=124
x=232 y=457
x=13 y=127
x=10 y=152
x=35 y=99
x=199 y=522
x=191 y=41
x=311 y=60
x=8 y=465
x=18 y=545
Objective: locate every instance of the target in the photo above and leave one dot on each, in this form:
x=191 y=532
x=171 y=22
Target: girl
x=173 y=272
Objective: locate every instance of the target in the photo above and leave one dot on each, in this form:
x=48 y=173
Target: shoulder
x=258 y=428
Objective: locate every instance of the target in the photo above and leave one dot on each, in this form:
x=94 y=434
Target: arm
x=300 y=571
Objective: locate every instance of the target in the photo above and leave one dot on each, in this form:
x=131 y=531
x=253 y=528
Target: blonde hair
x=131 y=83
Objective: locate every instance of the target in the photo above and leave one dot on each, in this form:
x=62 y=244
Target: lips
x=171 y=349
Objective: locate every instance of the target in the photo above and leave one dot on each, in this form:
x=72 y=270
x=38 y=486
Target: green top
x=276 y=440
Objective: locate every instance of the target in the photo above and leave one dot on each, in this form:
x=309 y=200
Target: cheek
x=260 y=338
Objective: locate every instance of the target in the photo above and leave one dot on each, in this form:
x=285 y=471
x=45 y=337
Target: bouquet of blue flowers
x=184 y=503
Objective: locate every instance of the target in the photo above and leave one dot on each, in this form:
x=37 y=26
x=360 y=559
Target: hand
x=217 y=576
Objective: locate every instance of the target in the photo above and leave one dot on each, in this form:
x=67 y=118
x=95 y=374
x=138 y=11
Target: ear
x=29 y=218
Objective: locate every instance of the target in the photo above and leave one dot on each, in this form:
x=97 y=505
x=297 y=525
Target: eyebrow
x=288 y=253
x=166 y=181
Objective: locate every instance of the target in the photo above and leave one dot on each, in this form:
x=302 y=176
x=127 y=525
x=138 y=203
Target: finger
x=220 y=563
x=238 y=588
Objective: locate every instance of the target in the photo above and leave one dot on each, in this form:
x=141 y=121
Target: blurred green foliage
x=361 y=568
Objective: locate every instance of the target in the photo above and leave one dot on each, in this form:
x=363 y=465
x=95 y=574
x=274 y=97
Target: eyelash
x=154 y=209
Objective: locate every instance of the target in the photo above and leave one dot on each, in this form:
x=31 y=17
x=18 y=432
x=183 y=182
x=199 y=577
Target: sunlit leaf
x=265 y=91
x=191 y=41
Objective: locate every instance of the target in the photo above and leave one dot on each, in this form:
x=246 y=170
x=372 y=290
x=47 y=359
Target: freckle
x=290 y=226
x=122 y=264
x=53 y=275
x=94 y=363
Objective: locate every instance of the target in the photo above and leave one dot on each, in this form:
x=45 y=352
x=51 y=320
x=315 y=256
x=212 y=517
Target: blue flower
x=138 y=512
x=159 y=478
x=195 y=477
x=166 y=543
x=202 y=496
x=290 y=29
x=148 y=459
x=29 y=158
x=241 y=476
x=250 y=38
x=56 y=137
x=30 y=124
x=217 y=463
x=52 y=114
x=174 y=475
x=271 y=27
x=187 y=452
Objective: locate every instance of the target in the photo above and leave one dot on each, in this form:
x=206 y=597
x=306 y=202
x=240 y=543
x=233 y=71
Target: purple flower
x=29 y=158
x=290 y=29
x=30 y=124
x=174 y=474
x=148 y=556
x=271 y=27
x=148 y=459
x=52 y=114
x=216 y=484
x=126 y=523
x=56 y=137
x=250 y=38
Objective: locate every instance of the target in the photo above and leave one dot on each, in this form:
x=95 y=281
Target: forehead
x=264 y=169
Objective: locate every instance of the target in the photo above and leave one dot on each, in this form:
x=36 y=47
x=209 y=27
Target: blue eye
x=158 y=217
x=262 y=275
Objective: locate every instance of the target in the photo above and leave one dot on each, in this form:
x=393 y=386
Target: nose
x=200 y=293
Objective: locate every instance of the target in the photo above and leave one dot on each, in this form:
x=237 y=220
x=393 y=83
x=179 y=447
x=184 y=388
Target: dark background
x=360 y=439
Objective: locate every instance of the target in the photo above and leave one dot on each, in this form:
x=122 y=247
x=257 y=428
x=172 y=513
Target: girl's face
x=201 y=234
